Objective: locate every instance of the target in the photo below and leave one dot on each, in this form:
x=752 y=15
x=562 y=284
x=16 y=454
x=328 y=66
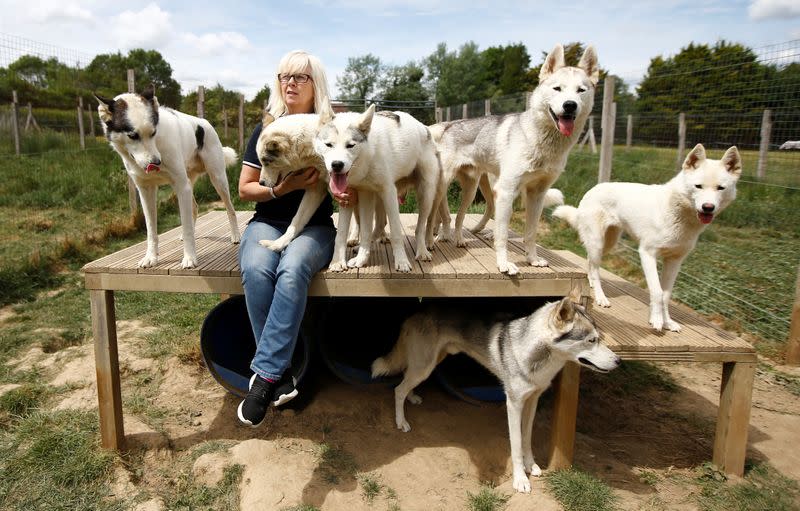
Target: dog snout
x=155 y=161
x=337 y=166
x=708 y=207
x=262 y=182
x=570 y=107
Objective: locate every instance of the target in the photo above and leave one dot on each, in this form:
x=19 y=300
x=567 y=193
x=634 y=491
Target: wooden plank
x=109 y=395
x=171 y=256
x=730 y=441
x=565 y=411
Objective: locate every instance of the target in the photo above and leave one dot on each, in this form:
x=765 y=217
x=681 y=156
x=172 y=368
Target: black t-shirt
x=283 y=209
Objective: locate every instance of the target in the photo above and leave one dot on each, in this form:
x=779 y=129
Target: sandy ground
x=454 y=447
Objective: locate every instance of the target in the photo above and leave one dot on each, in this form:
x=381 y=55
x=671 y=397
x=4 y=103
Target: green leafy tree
x=361 y=77
x=404 y=83
x=107 y=75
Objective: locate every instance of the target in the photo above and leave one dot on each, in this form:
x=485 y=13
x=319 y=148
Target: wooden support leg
x=730 y=442
x=104 y=328
x=565 y=411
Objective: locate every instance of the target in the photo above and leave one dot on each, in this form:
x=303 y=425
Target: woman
x=276 y=284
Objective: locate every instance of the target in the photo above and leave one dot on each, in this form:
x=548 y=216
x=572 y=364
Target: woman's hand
x=299 y=180
x=348 y=199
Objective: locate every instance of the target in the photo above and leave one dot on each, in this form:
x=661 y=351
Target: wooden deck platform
x=453 y=272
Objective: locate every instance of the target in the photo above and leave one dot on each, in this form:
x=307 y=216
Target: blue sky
x=238 y=43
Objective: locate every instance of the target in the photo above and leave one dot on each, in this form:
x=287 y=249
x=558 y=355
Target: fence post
x=629 y=132
x=793 y=344
x=133 y=193
x=464 y=113
x=438 y=114
x=487 y=107
x=80 y=123
x=447 y=116
x=241 y=123
x=15 y=120
x=225 y=122
x=91 y=119
x=763 y=148
x=681 y=139
x=201 y=102
x=607 y=129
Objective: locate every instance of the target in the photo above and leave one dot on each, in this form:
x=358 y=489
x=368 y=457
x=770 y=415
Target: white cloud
x=149 y=28
x=59 y=12
x=217 y=43
x=768 y=9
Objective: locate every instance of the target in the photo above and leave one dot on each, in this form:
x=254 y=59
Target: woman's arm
x=251 y=190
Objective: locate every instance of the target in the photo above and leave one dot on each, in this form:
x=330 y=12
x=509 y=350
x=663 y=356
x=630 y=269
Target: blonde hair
x=298 y=61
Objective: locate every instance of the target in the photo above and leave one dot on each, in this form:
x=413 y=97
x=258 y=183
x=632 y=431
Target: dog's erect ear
x=589 y=64
x=325 y=118
x=553 y=62
x=564 y=312
x=365 y=122
x=267 y=119
x=732 y=161
x=149 y=92
x=695 y=157
x=105 y=108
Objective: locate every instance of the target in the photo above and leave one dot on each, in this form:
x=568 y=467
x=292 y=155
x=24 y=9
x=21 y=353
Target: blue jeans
x=276 y=289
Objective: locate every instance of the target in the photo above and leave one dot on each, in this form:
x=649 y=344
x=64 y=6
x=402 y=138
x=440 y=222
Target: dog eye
x=720 y=187
x=154 y=133
x=133 y=136
x=557 y=89
x=328 y=144
x=699 y=187
x=581 y=89
x=350 y=146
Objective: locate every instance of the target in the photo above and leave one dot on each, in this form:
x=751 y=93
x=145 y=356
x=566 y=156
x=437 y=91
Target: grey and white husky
x=524 y=151
x=525 y=353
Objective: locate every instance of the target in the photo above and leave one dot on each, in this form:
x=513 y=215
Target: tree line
x=721 y=87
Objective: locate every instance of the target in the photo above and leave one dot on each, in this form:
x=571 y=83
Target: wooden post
x=133 y=199
x=438 y=114
x=447 y=115
x=487 y=107
x=31 y=120
x=793 y=344
x=201 y=102
x=681 y=139
x=763 y=148
x=15 y=120
x=225 y=122
x=607 y=129
x=91 y=120
x=565 y=412
x=589 y=136
x=733 y=421
x=80 y=123
x=109 y=395
x=464 y=112
x=629 y=132
x=241 y=123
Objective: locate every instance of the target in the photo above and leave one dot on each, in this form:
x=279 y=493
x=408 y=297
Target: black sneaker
x=253 y=409
x=285 y=390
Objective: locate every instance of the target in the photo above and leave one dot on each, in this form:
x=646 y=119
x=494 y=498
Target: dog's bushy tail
x=553 y=197
x=230 y=156
x=567 y=213
x=436 y=132
x=392 y=363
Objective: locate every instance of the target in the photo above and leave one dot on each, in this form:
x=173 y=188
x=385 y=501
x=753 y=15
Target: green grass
x=336 y=464
x=762 y=489
x=488 y=499
x=370 y=487
x=579 y=491
x=188 y=495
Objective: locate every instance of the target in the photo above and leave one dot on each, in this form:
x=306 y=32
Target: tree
x=404 y=83
x=360 y=78
x=107 y=74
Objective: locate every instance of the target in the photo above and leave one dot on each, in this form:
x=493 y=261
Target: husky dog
x=525 y=150
x=158 y=146
x=376 y=154
x=666 y=219
x=525 y=353
x=284 y=146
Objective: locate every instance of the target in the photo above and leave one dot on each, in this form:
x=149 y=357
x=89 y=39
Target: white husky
x=525 y=353
x=525 y=150
x=376 y=153
x=666 y=219
x=158 y=146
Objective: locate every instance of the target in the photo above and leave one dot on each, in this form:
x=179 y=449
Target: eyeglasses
x=298 y=77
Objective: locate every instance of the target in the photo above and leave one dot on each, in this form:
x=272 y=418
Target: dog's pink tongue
x=705 y=218
x=152 y=168
x=338 y=182
x=566 y=125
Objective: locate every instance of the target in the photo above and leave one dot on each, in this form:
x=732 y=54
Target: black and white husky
x=158 y=146
x=525 y=354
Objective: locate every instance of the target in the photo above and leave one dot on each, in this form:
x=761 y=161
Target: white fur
x=523 y=151
x=181 y=163
x=377 y=154
x=664 y=218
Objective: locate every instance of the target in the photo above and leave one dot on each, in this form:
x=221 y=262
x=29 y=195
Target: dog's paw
x=444 y=237
x=487 y=234
x=521 y=482
x=359 y=261
x=403 y=266
x=602 y=301
x=275 y=245
x=403 y=426
x=508 y=267
x=460 y=242
x=672 y=326
x=414 y=399
x=148 y=260
x=352 y=242
x=533 y=469
x=538 y=262
x=236 y=237
x=424 y=255
x=338 y=266
x=189 y=261
x=657 y=323
x=380 y=237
